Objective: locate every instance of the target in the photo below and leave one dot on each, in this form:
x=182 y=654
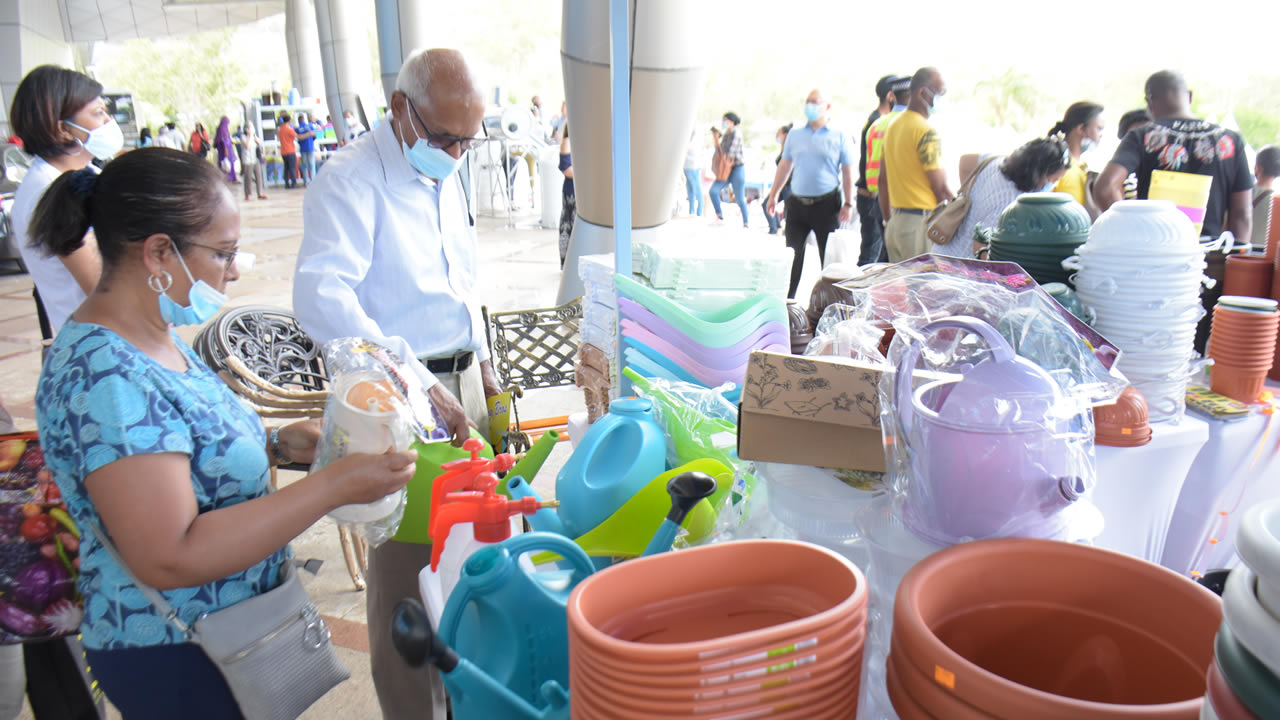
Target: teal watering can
x=512 y=626
x=469 y=685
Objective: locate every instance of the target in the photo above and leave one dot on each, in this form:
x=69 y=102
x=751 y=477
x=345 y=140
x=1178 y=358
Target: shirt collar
x=394 y=164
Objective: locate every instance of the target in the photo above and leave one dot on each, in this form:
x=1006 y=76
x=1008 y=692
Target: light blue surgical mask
x=935 y=105
x=1088 y=144
x=205 y=300
x=812 y=112
x=103 y=142
x=431 y=162
x=1049 y=186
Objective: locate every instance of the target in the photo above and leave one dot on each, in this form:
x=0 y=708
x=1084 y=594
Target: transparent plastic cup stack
x=1141 y=273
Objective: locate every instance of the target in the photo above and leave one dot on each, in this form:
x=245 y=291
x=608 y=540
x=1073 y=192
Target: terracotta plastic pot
x=1123 y=423
x=1248 y=275
x=1273 y=231
x=838 y=671
x=677 y=607
x=1057 y=631
x=692 y=675
x=1237 y=384
x=1248 y=679
x=904 y=703
x=928 y=693
x=1226 y=705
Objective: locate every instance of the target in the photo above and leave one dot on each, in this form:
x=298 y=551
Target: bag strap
x=968 y=182
x=152 y=595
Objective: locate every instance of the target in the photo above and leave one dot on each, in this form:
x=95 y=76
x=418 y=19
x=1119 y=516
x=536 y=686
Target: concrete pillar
x=668 y=45
x=403 y=27
x=344 y=53
x=31 y=34
x=303 y=39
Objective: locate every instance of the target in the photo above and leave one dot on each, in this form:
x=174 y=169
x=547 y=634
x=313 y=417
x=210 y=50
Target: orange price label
x=944 y=677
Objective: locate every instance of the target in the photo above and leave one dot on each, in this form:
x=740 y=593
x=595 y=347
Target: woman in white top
x=1034 y=167
x=63 y=120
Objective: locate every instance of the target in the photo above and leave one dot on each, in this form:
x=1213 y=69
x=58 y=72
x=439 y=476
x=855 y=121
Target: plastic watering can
x=618 y=456
x=546 y=519
x=686 y=490
x=990 y=456
x=415 y=526
x=528 y=466
x=512 y=624
x=469 y=686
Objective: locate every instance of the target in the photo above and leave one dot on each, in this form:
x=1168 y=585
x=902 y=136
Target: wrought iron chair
x=265 y=357
x=533 y=349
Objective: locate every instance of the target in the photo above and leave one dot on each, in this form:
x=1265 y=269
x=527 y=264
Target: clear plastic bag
x=376 y=404
x=700 y=423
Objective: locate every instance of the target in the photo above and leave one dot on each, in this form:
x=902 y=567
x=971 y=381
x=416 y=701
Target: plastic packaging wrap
x=377 y=404
x=700 y=423
x=844 y=331
x=990 y=444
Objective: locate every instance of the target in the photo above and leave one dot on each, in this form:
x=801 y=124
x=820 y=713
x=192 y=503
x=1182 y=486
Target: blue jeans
x=774 y=223
x=308 y=167
x=738 y=180
x=693 y=185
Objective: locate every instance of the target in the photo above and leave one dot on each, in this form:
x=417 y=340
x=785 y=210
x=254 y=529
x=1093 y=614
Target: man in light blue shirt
x=818 y=158
x=389 y=254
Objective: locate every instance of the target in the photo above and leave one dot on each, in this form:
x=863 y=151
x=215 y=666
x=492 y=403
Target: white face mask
x=1088 y=144
x=104 y=141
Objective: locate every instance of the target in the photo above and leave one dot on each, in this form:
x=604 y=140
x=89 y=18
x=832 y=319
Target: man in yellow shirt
x=912 y=181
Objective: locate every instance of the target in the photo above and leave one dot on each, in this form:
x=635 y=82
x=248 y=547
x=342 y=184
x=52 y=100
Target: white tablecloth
x=1138 y=487
x=1238 y=467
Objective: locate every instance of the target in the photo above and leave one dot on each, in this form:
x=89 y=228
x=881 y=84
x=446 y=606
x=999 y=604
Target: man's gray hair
x=423 y=67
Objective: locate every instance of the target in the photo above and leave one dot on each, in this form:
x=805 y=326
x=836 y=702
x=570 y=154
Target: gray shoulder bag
x=273 y=649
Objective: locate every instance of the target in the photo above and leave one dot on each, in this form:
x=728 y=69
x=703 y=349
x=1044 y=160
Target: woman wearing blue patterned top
x=147 y=443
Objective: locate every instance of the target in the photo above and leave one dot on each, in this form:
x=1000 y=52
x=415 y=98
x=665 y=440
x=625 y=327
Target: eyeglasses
x=443 y=141
x=226 y=257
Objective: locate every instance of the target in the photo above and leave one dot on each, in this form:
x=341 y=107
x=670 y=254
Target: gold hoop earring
x=160 y=283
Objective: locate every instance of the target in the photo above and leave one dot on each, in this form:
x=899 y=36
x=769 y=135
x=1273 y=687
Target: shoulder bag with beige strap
x=945 y=219
x=273 y=649
x=721 y=164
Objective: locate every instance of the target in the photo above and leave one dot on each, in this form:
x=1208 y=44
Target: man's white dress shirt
x=388 y=255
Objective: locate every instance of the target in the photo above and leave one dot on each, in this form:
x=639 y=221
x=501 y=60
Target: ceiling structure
x=115 y=20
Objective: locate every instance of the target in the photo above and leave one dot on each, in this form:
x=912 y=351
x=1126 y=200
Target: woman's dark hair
x=45 y=97
x=786 y=129
x=146 y=133
x=142 y=193
x=733 y=118
x=1029 y=165
x=1080 y=113
x=1132 y=119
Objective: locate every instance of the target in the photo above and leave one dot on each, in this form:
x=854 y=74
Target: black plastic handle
x=414 y=639
x=687 y=490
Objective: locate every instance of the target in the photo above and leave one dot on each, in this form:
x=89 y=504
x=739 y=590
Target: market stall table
x=1138 y=487
x=1238 y=467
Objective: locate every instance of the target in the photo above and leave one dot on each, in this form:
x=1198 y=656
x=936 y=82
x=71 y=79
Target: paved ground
x=518 y=269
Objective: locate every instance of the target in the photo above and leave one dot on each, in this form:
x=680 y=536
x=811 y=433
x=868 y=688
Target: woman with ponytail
x=150 y=448
x=1081 y=127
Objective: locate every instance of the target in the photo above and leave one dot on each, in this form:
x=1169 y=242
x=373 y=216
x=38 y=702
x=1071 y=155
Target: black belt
x=911 y=211
x=455 y=364
x=815 y=200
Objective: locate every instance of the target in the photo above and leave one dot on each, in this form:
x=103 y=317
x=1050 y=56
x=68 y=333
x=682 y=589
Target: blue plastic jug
x=512 y=624
x=618 y=456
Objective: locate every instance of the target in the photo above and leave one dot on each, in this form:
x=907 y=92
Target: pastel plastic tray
x=713 y=265
x=648 y=367
x=714 y=329
x=771 y=332
x=691 y=355
x=714 y=300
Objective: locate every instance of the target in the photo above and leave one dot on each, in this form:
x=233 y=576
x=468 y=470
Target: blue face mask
x=1048 y=187
x=812 y=111
x=205 y=301
x=935 y=106
x=431 y=162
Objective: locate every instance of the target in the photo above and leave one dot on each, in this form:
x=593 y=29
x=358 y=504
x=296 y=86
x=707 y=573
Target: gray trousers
x=405 y=693
x=251 y=172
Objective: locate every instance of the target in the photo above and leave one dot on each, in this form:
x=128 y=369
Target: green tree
x=195 y=78
x=1010 y=99
x=1259 y=127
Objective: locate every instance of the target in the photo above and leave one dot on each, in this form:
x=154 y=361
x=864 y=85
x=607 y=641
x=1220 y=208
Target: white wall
x=30 y=35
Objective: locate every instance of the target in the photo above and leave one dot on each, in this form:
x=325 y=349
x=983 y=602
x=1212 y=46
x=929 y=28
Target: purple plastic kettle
x=990 y=455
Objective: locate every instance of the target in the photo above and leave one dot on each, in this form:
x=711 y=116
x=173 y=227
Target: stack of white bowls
x=1141 y=273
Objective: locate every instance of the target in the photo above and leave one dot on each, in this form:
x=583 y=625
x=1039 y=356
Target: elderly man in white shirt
x=389 y=253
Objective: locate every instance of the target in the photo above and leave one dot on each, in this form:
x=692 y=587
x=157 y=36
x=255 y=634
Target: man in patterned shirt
x=1177 y=141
